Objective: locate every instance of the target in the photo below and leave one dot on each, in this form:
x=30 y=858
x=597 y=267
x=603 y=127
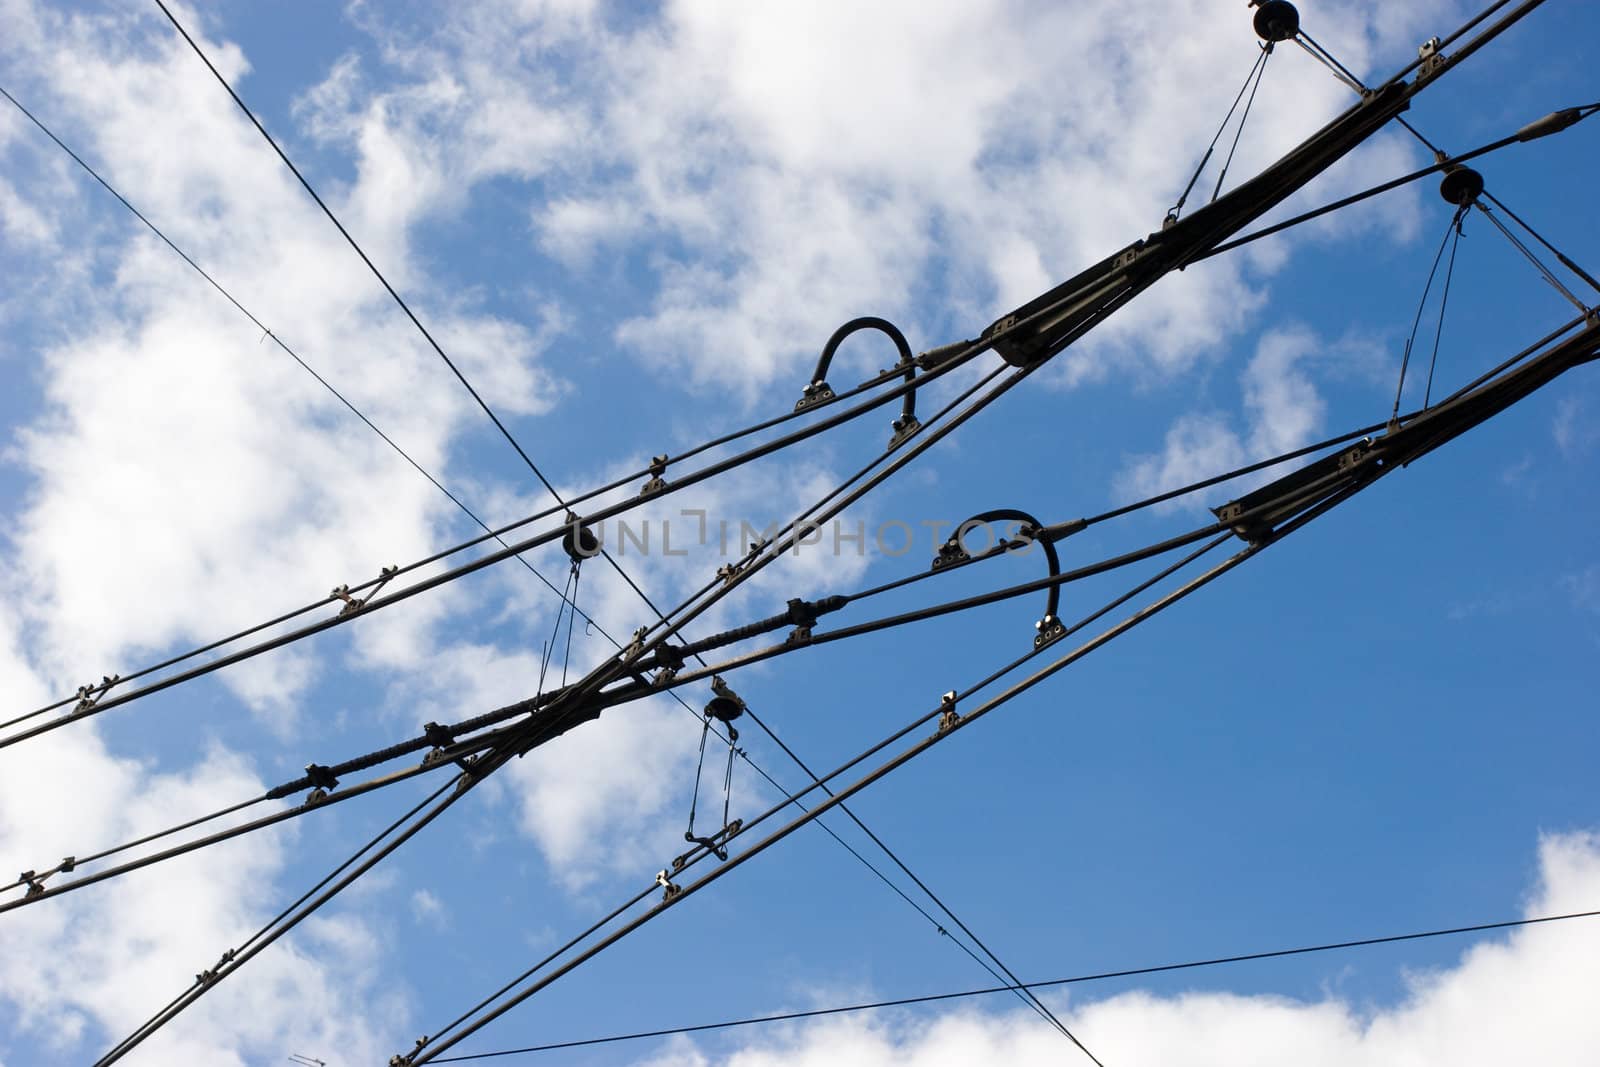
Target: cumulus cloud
x=1523 y=997
x=183 y=478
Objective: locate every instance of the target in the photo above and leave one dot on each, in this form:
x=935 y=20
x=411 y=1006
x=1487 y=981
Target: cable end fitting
x=1554 y=122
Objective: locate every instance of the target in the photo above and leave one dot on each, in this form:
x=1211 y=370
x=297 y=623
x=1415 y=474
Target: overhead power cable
x=95 y=699
x=445 y=1040
x=1049 y=983
x=1262 y=518
x=1552 y=123
x=1046 y=325
x=234 y=958
x=35 y=879
x=1056 y=323
x=431 y=739
x=283 y=345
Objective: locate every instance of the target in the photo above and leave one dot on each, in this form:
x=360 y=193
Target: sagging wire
x=1261 y=72
x=800 y=613
x=1177 y=208
x=444 y=1039
x=1454 y=228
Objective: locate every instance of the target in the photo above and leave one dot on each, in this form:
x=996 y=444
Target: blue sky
x=634 y=228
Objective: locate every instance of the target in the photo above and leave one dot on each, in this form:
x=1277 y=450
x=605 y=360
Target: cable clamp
x=89 y=695
x=1433 y=60
x=903 y=427
x=1050 y=629
x=353 y=604
x=813 y=394
x=716 y=844
x=209 y=976
x=398 y=1060
x=948 y=716
x=727 y=572
x=951 y=553
x=803 y=614
x=669 y=888
x=658 y=467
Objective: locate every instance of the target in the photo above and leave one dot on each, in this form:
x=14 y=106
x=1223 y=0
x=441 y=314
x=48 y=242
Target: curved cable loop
x=818 y=391
x=1030 y=531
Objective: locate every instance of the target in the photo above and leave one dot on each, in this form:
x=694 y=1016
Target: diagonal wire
x=1212 y=147
x=1405 y=359
x=1025 y=995
x=267 y=332
x=1261 y=72
x=1528 y=253
x=566 y=600
x=933 y=998
x=1444 y=301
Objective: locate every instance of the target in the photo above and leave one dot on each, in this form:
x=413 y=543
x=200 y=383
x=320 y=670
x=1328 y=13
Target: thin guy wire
x=1133 y=972
x=1212 y=147
x=429 y=1052
x=794 y=798
x=1261 y=72
x=1405 y=360
x=1528 y=253
x=1027 y=997
x=1327 y=59
x=1444 y=301
x=267 y=332
x=399 y=300
x=1569 y=264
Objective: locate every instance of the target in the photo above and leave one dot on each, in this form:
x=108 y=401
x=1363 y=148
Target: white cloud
x=789 y=168
x=427 y=908
x=1283 y=410
x=1520 y=997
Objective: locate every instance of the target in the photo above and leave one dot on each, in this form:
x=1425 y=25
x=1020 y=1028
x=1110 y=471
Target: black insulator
x=1276 y=20
x=725 y=705
x=580 y=543
x=1461 y=186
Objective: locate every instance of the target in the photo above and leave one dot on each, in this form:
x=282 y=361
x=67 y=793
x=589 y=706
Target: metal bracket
x=1050 y=629
x=208 y=976
x=669 y=888
x=716 y=843
x=637 y=644
x=803 y=613
x=950 y=553
x=1355 y=454
x=322 y=780
x=353 y=604
x=89 y=695
x=903 y=428
x=727 y=572
x=1126 y=257
x=814 y=394
x=658 y=467
x=948 y=716
x=1433 y=60
x=410 y=1057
